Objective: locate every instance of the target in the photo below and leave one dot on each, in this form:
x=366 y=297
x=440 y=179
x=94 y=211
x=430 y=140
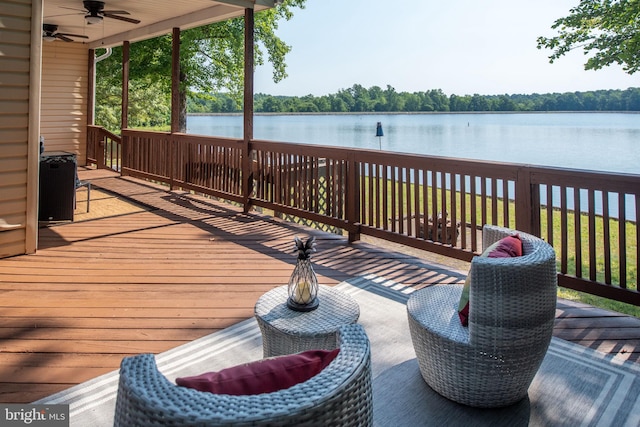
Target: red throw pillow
x=507 y=247
x=262 y=376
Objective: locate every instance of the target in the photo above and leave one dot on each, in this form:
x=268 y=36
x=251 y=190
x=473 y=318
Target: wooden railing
x=104 y=148
x=597 y=240
x=432 y=203
x=206 y=165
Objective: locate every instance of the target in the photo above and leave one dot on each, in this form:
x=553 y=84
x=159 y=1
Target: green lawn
x=629 y=251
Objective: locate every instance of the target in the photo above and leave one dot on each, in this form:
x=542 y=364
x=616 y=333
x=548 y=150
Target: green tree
x=378 y=99
x=548 y=103
x=505 y=103
x=439 y=100
x=290 y=105
x=606 y=29
x=108 y=109
x=361 y=98
x=588 y=101
x=323 y=103
x=211 y=57
x=307 y=104
x=347 y=98
x=568 y=101
x=337 y=104
x=271 y=104
x=412 y=102
x=479 y=103
x=204 y=103
x=615 y=102
x=633 y=99
x=108 y=112
x=459 y=103
x=395 y=102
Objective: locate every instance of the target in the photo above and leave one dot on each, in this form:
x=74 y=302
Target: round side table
x=285 y=331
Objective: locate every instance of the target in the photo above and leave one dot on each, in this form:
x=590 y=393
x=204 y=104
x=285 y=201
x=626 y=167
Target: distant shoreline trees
x=359 y=99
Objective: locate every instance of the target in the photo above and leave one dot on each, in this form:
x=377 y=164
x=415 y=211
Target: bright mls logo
x=34 y=415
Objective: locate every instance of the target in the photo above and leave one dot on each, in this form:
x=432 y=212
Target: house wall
x=64 y=97
x=20 y=43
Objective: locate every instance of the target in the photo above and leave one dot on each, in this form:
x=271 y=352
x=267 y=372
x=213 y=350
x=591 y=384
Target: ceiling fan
x=50 y=33
x=94 y=13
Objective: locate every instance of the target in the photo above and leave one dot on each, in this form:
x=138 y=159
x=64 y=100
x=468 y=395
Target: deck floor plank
x=183 y=267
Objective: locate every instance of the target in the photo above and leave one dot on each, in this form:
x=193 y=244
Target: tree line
x=359 y=99
x=211 y=72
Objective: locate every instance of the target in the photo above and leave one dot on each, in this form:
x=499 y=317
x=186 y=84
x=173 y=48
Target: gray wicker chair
x=340 y=395
x=512 y=309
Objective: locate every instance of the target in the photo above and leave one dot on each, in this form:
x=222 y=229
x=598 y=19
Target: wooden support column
x=247 y=160
x=175 y=102
x=175 y=81
x=124 y=122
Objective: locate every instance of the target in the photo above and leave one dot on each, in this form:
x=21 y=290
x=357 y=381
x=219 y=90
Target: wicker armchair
x=340 y=395
x=512 y=309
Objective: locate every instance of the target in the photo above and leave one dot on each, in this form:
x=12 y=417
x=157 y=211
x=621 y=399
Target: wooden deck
x=148 y=280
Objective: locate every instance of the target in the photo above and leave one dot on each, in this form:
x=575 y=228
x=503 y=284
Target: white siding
x=17 y=178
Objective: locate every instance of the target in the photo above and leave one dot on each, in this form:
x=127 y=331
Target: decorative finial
x=305 y=249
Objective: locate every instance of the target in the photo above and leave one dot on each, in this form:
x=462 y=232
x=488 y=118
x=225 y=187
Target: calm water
x=592 y=141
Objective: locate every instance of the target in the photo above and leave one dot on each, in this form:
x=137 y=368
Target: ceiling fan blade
x=73 y=35
x=62 y=37
x=117 y=12
x=64 y=14
x=122 y=18
x=72 y=8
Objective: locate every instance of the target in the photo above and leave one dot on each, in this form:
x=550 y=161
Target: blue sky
x=460 y=46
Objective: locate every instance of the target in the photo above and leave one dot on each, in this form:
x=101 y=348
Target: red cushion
x=507 y=247
x=262 y=376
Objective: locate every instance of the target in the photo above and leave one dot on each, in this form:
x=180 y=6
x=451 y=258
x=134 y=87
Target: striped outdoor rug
x=575 y=386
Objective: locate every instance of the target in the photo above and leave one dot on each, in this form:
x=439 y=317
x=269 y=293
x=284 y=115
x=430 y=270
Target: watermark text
x=34 y=415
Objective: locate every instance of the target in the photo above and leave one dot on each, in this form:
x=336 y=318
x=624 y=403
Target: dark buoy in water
x=379 y=133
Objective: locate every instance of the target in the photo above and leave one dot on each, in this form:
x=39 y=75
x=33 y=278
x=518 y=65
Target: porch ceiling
x=156 y=17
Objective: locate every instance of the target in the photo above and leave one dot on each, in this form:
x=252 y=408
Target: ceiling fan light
x=48 y=38
x=93 y=19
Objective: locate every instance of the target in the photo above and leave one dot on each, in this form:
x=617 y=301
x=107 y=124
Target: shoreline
x=410 y=113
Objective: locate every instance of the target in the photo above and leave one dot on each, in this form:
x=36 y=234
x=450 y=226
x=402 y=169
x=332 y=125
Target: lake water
x=591 y=141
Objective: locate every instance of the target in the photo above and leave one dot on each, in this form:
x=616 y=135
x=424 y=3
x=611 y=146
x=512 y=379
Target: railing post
x=172 y=160
x=527 y=203
x=535 y=209
x=126 y=150
x=100 y=147
x=247 y=175
x=96 y=146
x=352 y=199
